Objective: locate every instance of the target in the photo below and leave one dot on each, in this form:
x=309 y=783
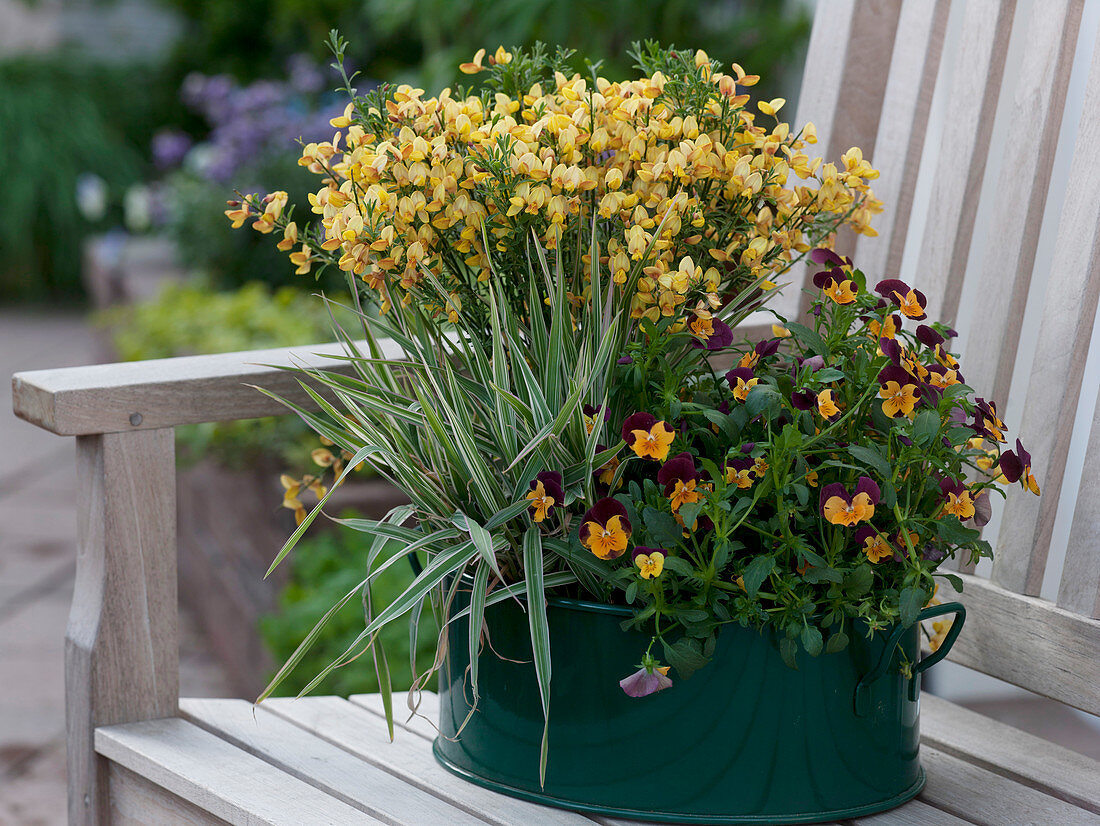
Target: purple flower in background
x=170 y=146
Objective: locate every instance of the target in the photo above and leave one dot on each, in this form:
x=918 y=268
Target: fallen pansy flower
x=649 y=679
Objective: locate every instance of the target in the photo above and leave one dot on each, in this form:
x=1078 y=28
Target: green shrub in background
x=62 y=117
x=323 y=571
x=190 y=319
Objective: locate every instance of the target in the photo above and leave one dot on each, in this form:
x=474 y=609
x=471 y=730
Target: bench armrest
x=146 y=395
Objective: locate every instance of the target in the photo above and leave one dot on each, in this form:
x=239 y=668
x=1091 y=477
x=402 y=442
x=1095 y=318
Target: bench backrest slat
x=1021 y=195
x=960 y=165
x=1054 y=388
x=899 y=144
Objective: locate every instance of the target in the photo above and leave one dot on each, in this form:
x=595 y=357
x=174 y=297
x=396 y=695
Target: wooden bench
x=138 y=754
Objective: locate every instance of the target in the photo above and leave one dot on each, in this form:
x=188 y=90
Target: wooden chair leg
x=121 y=652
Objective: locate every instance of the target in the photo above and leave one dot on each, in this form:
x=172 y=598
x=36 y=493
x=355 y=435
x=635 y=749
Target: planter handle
x=862 y=697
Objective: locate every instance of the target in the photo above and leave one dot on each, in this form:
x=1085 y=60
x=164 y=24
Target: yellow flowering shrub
x=692 y=194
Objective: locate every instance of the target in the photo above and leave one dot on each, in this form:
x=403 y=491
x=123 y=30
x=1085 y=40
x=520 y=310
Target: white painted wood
x=1079 y=589
x=1054 y=388
x=220 y=778
x=307 y=757
x=121 y=656
x=1034 y=119
x=409 y=757
x=137 y=802
x=980 y=796
x=847 y=64
x=143 y=395
x=1011 y=753
x=918 y=46
x=972 y=102
x=1029 y=642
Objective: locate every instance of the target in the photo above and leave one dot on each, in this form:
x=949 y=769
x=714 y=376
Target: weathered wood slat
x=1054 y=388
x=918 y=46
x=1011 y=753
x=1034 y=118
x=360 y=732
x=109 y=398
x=1029 y=642
x=980 y=796
x=218 y=777
x=297 y=752
x=121 y=652
x=1079 y=589
x=847 y=64
x=135 y=801
x=960 y=166
x=914 y=813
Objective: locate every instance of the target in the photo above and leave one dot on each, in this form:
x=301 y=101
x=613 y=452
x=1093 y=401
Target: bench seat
x=326 y=760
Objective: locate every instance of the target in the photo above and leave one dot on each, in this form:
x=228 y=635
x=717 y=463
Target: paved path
x=37 y=564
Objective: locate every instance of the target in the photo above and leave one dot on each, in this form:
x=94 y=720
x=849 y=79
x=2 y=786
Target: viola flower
x=739 y=472
x=956 y=498
x=874 y=544
x=649 y=679
x=741 y=381
x=647 y=437
x=899 y=394
x=649 y=561
x=763 y=349
x=546 y=492
x=1017 y=467
x=719 y=338
x=803 y=399
x=886 y=329
x=929 y=337
x=826 y=406
x=986 y=422
x=911 y=302
x=811 y=478
x=841 y=508
x=680 y=478
x=759 y=467
x=940 y=377
x=843 y=292
x=591 y=416
x=824 y=255
x=605 y=529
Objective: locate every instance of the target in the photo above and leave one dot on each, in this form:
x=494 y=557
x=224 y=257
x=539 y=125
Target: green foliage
x=324 y=569
x=190 y=319
x=424 y=40
x=61 y=117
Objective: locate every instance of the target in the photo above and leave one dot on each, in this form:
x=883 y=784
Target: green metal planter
x=744 y=740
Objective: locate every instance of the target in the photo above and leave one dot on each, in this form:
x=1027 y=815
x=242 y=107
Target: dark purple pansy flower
x=743 y=373
x=680 y=467
x=823 y=255
x=932 y=553
x=892 y=372
x=804 y=399
x=983 y=511
x=1013 y=465
x=814 y=363
x=721 y=338
x=551 y=483
x=929 y=337
x=638 y=421
x=891 y=349
x=769 y=347
x=625 y=360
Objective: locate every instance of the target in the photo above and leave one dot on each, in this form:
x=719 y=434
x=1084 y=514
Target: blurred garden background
x=125 y=125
